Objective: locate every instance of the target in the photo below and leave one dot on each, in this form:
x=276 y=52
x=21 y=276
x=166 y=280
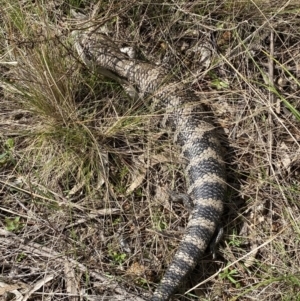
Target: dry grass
x=84 y=168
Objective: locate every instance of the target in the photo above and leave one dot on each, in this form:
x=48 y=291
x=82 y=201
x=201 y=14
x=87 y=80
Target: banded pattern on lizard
x=193 y=132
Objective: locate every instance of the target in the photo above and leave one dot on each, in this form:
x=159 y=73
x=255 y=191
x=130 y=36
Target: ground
x=85 y=169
